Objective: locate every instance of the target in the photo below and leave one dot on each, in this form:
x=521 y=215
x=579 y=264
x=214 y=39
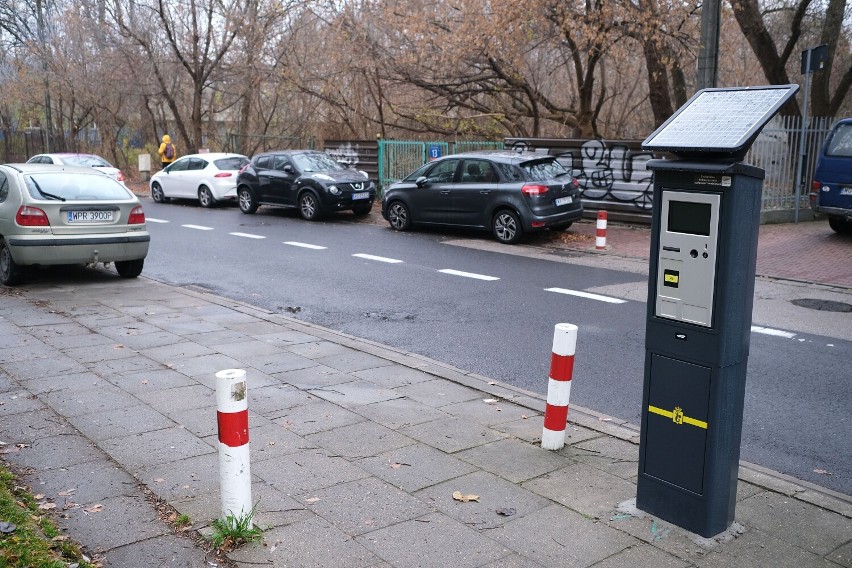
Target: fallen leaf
x=46 y=506
x=94 y=508
x=67 y=493
x=822 y=472
x=492 y=383
x=311 y=500
x=38 y=496
x=489 y=400
x=60 y=538
x=159 y=480
x=506 y=512
x=22 y=446
x=523 y=416
x=605 y=419
x=458 y=496
x=118 y=346
x=399 y=465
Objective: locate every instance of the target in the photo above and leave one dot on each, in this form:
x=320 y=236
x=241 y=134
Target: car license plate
x=562 y=201
x=846 y=191
x=361 y=195
x=90 y=216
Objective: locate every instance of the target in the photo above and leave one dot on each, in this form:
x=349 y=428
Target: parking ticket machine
x=706 y=215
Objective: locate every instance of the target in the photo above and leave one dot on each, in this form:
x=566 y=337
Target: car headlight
x=334 y=190
x=372 y=185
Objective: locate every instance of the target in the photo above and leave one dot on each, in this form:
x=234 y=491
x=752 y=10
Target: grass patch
x=35 y=541
x=232 y=532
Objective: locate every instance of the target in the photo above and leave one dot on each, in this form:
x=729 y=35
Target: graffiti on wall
x=612 y=172
x=346 y=154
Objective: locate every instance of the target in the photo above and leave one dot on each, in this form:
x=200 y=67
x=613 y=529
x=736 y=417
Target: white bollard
x=559 y=386
x=232 y=419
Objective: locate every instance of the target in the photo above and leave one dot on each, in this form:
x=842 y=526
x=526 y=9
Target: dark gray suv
x=507 y=192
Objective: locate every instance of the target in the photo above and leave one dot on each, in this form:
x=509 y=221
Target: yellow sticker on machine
x=677 y=416
x=673 y=278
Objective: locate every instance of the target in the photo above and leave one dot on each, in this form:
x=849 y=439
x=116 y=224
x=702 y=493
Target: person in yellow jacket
x=167 y=151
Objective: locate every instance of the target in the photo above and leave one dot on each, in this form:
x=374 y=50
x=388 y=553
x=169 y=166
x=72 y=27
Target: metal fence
x=776 y=151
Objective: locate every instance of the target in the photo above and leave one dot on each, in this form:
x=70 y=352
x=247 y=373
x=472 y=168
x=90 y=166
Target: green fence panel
x=398 y=158
x=473 y=145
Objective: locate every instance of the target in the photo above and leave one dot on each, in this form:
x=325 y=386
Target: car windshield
x=74 y=187
x=841 y=142
x=316 y=162
x=541 y=170
x=86 y=160
x=232 y=163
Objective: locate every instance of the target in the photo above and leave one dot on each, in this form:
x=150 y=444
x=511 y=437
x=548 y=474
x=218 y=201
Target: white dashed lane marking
x=468 y=274
x=770 y=331
x=247 y=235
x=304 y=245
x=377 y=258
x=198 y=227
x=586 y=295
x=152 y=220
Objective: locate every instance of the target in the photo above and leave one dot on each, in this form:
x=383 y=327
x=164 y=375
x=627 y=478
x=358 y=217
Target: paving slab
x=83 y=484
x=309 y=543
x=364 y=505
x=92 y=398
x=55 y=452
x=394 y=376
x=155 y=447
x=316 y=377
x=359 y=440
x=513 y=459
x=801 y=524
x=113 y=522
x=452 y=434
x=433 y=541
x=152 y=380
x=315 y=415
x=414 y=467
x=120 y=422
x=439 y=392
x=308 y=470
x=174 y=400
x=556 y=536
x=49 y=363
x=584 y=489
x=26 y=427
x=166 y=551
x=399 y=413
x=355 y=393
x=499 y=501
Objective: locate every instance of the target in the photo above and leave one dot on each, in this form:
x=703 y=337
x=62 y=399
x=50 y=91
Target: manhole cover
x=823 y=305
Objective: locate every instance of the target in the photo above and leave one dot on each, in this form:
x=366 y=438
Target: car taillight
x=223 y=175
x=31 y=217
x=119 y=176
x=816 y=186
x=534 y=189
x=137 y=216
x=576 y=183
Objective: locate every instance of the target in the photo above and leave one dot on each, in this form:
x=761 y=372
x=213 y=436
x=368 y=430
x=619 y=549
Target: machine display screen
x=689 y=218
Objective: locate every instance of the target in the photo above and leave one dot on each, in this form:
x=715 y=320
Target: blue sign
x=434 y=152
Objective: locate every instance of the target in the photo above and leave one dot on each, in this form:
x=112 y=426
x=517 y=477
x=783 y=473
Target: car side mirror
x=422 y=181
x=289 y=169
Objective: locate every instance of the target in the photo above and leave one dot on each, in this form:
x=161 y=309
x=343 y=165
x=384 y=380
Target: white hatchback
x=209 y=178
x=71 y=159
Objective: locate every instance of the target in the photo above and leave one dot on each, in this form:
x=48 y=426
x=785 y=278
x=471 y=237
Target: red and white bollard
x=232 y=418
x=600 y=231
x=559 y=386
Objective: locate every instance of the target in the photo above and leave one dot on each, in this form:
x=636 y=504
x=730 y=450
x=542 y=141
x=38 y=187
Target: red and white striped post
x=232 y=419
x=600 y=231
x=559 y=386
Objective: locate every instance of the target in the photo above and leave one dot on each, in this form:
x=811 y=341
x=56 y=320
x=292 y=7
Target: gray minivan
x=831 y=191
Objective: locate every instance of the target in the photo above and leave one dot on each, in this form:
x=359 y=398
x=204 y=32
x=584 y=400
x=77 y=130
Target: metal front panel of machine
x=687 y=256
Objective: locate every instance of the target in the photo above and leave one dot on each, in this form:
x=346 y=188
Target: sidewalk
x=107 y=406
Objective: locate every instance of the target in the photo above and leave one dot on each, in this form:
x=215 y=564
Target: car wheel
x=129 y=268
x=157 y=193
x=362 y=208
x=10 y=273
x=399 y=217
x=248 y=204
x=205 y=197
x=309 y=206
x=506 y=227
x=840 y=225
